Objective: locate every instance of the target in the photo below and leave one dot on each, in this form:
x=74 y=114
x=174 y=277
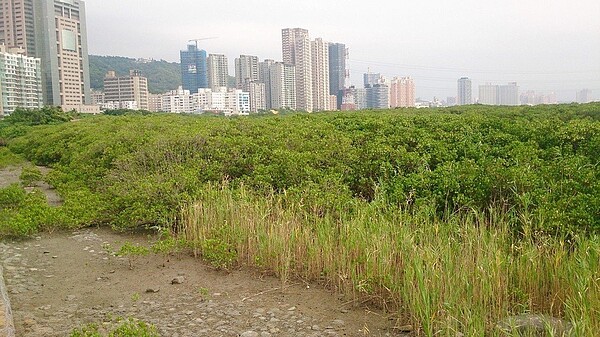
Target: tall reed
x=457 y=275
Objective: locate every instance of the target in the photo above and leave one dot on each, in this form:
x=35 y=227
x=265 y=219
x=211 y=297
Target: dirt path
x=60 y=281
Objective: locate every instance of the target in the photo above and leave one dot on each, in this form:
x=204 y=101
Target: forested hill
x=162 y=75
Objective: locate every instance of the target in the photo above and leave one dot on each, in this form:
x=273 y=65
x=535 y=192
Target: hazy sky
x=544 y=45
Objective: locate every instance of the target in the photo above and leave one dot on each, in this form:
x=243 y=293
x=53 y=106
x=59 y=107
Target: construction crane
x=203 y=38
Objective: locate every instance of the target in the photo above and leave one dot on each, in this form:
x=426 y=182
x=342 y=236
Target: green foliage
x=134 y=328
x=162 y=75
x=539 y=163
x=218 y=253
x=12 y=197
x=125 y=328
x=22 y=213
x=30 y=175
x=8 y=158
x=43 y=116
x=89 y=330
x=132 y=252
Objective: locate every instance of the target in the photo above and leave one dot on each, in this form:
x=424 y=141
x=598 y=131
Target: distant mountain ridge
x=162 y=75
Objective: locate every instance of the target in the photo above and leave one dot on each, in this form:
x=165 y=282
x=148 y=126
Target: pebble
x=249 y=334
x=178 y=280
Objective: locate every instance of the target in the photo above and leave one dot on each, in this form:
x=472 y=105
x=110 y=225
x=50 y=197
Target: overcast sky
x=544 y=45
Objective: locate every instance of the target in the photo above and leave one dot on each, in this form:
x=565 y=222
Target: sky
x=543 y=45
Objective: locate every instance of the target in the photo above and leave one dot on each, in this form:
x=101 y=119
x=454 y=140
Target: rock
x=534 y=325
x=178 y=280
x=152 y=290
x=292 y=309
x=249 y=334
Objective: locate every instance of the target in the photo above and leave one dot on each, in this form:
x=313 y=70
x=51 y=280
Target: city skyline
x=434 y=42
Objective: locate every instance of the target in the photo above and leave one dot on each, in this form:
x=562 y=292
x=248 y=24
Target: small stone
x=178 y=280
x=55 y=257
x=249 y=334
x=152 y=290
x=292 y=309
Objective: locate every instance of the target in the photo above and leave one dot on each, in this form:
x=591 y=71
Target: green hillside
x=162 y=75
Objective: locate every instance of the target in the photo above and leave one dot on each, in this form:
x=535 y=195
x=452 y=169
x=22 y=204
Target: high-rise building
x=264 y=76
x=584 y=96
x=320 y=75
x=218 y=71
x=354 y=99
x=402 y=92
x=464 y=91
x=257 y=95
x=508 y=94
x=17 y=25
x=490 y=94
x=61 y=43
x=378 y=96
x=370 y=79
x=55 y=32
x=246 y=70
x=193 y=69
x=283 y=86
x=296 y=47
x=20 y=81
x=338 y=53
x=128 y=91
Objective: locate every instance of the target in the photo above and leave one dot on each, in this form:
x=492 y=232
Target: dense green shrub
x=43 y=116
x=538 y=162
x=30 y=175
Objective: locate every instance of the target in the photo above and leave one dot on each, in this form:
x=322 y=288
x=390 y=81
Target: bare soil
x=58 y=282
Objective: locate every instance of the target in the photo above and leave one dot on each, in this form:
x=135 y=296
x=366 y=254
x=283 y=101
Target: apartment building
x=218 y=71
x=297 y=51
x=129 y=92
x=320 y=75
x=20 y=81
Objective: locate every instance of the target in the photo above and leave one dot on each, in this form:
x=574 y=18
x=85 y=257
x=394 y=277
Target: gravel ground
x=60 y=281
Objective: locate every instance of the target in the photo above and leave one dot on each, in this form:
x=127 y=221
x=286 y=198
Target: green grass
x=124 y=328
x=460 y=274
